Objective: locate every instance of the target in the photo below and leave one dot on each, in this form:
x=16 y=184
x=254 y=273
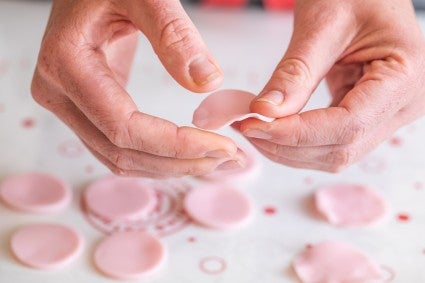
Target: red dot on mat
x=403 y=217
x=89 y=169
x=419 y=185
x=308 y=246
x=396 y=141
x=28 y=123
x=270 y=210
x=191 y=239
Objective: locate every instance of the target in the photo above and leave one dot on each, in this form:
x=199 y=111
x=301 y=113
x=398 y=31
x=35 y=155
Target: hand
x=372 y=54
x=83 y=66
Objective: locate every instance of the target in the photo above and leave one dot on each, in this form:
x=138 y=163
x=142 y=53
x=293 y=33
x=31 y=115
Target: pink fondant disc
x=350 y=204
x=119 y=199
x=219 y=207
x=46 y=246
x=224 y=107
x=35 y=192
x=129 y=255
x=337 y=262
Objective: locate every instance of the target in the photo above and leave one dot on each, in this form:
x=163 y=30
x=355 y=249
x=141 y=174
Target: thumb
x=318 y=40
x=177 y=43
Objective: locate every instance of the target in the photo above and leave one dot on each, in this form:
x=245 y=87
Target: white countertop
x=247 y=44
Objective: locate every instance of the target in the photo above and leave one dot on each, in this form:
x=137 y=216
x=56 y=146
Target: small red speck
x=419 y=185
x=308 y=180
x=269 y=210
x=89 y=169
x=403 y=217
x=28 y=123
x=308 y=246
x=1 y=108
x=396 y=141
x=191 y=239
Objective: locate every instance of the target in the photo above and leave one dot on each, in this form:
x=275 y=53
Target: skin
x=82 y=70
x=371 y=55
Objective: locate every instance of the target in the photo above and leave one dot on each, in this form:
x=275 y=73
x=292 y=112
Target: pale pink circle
x=212 y=265
x=220 y=207
x=119 y=199
x=332 y=261
x=224 y=107
x=167 y=217
x=350 y=204
x=35 y=192
x=46 y=246
x=129 y=255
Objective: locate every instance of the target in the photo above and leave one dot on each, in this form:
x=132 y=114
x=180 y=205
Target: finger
x=117 y=171
x=92 y=87
x=177 y=43
x=334 y=158
x=126 y=161
x=376 y=98
x=311 y=128
x=316 y=44
x=326 y=158
x=293 y=163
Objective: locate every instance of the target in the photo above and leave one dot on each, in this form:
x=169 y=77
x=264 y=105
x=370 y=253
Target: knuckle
x=121 y=160
x=353 y=132
x=340 y=159
x=294 y=70
x=176 y=35
x=182 y=142
x=118 y=132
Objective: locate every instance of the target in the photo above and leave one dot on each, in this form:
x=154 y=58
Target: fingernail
x=238 y=162
x=203 y=71
x=229 y=165
x=273 y=97
x=257 y=134
x=217 y=154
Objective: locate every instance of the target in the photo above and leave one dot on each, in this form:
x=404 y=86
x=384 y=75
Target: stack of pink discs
x=124 y=254
x=118 y=199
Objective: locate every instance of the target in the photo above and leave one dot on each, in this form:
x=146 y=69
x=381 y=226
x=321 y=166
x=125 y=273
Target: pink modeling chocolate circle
x=332 y=261
x=250 y=170
x=35 y=192
x=220 y=207
x=46 y=246
x=350 y=204
x=129 y=255
x=119 y=199
x=224 y=107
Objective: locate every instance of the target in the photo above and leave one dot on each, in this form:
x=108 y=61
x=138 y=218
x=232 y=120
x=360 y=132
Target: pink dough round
x=119 y=199
x=332 y=261
x=35 y=192
x=224 y=107
x=219 y=207
x=129 y=255
x=350 y=204
x=46 y=246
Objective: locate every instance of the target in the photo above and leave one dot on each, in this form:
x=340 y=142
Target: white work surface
x=247 y=44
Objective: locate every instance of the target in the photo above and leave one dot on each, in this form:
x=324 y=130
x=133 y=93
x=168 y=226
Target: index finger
x=92 y=86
